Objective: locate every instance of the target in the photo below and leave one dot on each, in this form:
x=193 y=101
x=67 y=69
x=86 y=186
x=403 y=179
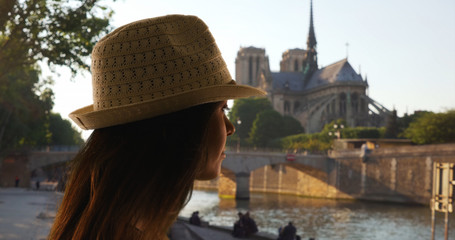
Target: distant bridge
x=401 y=174
x=398 y=174
x=243 y=163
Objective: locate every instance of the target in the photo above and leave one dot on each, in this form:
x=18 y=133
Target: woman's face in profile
x=219 y=127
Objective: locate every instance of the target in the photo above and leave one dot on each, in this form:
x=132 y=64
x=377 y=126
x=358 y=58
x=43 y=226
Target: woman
x=160 y=89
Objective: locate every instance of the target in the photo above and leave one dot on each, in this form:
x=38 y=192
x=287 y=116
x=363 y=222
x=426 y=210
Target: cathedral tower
x=249 y=64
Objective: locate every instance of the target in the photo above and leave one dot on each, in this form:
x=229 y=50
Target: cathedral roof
x=340 y=71
x=288 y=80
x=337 y=72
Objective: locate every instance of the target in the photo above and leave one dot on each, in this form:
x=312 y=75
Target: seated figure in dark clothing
x=288 y=232
x=239 y=227
x=194 y=219
x=250 y=224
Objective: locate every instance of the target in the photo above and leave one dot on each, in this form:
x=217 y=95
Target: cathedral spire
x=311 y=41
x=311 y=58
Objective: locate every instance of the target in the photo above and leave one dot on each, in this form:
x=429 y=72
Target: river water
x=323 y=218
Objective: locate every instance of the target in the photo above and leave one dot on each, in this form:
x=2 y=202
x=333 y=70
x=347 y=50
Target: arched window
x=250 y=70
x=287 y=107
x=258 y=60
x=363 y=108
x=296 y=106
x=342 y=103
x=296 y=65
x=323 y=119
x=355 y=102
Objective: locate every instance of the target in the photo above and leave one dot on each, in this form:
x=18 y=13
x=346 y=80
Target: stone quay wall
x=400 y=174
x=396 y=174
x=26 y=164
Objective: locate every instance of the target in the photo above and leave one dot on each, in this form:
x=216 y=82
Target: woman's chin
x=208 y=175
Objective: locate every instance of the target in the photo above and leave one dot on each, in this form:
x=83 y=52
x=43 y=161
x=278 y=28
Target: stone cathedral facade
x=314 y=96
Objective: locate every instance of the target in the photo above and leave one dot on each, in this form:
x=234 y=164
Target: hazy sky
x=406 y=48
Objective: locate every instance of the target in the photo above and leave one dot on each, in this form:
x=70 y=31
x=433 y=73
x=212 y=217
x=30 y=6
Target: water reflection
x=323 y=218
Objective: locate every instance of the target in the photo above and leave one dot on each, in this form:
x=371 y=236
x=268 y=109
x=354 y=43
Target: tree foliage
x=245 y=110
x=291 y=126
x=62 y=132
x=322 y=141
x=407 y=119
x=59 y=33
x=432 y=128
x=363 y=132
x=392 y=126
x=260 y=123
x=312 y=142
x=22 y=107
x=267 y=126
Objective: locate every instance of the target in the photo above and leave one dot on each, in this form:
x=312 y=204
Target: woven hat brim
x=87 y=118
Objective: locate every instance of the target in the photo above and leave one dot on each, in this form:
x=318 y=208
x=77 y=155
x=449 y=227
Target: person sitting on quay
x=194 y=219
x=245 y=226
x=288 y=232
x=250 y=225
x=239 y=227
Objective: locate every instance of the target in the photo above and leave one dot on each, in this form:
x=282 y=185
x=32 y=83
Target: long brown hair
x=137 y=173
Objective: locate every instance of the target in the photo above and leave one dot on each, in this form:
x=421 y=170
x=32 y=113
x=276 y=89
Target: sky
x=405 y=48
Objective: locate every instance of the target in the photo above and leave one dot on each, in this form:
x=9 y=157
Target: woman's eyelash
x=226 y=109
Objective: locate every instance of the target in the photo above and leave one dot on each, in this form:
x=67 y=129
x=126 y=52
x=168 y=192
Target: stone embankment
x=29 y=214
x=390 y=174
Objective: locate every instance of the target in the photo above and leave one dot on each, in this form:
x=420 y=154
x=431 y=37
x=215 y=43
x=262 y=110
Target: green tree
x=432 y=128
x=58 y=33
x=316 y=145
x=22 y=110
x=292 y=142
x=62 y=132
x=267 y=126
x=330 y=127
x=363 y=132
x=245 y=110
x=406 y=120
x=391 y=130
x=291 y=126
x=315 y=142
x=322 y=141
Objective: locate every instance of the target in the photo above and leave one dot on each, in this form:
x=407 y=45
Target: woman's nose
x=230 y=129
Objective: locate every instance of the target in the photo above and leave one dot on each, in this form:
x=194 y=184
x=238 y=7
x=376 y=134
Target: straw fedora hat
x=153 y=67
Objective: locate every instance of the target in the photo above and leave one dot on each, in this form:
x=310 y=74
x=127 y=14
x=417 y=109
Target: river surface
x=323 y=218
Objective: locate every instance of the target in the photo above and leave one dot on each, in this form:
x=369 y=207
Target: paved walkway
x=26 y=214
x=182 y=230
x=29 y=214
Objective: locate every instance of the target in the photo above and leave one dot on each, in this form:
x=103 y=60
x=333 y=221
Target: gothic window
x=296 y=106
x=362 y=105
x=323 y=118
x=355 y=102
x=287 y=107
x=333 y=106
x=343 y=103
x=250 y=71
x=258 y=60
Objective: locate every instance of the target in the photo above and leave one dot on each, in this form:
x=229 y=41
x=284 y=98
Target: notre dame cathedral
x=314 y=96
